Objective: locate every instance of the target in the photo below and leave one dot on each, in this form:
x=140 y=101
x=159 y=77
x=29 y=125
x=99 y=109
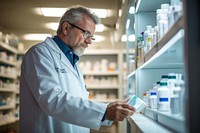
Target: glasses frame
x=86 y=34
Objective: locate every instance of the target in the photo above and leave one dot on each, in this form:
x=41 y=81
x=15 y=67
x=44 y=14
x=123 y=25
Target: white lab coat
x=53 y=97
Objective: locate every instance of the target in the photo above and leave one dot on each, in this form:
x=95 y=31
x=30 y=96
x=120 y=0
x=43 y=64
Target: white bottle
x=164 y=78
x=163 y=97
x=156 y=29
x=153 y=100
x=171 y=81
x=175 y=101
x=148 y=98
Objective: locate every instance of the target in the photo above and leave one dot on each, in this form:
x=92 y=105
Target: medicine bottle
x=153 y=100
x=171 y=81
x=164 y=78
x=163 y=97
x=175 y=101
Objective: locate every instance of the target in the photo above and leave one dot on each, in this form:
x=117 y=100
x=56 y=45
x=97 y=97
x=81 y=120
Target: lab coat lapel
x=67 y=63
x=62 y=56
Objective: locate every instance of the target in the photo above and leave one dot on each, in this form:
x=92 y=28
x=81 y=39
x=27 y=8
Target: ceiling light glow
x=58 y=12
x=99 y=38
x=132 y=10
x=127 y=23
x=54 y=26
x=53 y=12
x=131 y=38
x=36 y=37
x=124 y=38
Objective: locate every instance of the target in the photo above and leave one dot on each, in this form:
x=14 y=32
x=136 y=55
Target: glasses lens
x=88 y=35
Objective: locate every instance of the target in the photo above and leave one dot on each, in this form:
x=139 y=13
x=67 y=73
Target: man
x=53 y=97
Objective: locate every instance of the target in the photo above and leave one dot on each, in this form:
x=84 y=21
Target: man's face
x=80 y=36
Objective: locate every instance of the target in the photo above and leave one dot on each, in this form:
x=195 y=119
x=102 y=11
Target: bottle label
x=163 y=99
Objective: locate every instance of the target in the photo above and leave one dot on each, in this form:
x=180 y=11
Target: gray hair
x=75 y=14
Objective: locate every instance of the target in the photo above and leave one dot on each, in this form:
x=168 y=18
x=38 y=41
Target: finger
x=127 y=112
x=128 y=107
x=126 y=100
x=121 y=118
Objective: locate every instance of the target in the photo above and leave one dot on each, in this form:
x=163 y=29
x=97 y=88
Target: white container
x=163 y=97
x=171 y=82
x=164 y=78
x=137 y=103
x=175 y=102
x=148 y=99
x=153 y=100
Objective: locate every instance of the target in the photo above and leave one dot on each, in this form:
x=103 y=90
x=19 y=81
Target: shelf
x=7 y=76
x=146 y=125
x=2 y=123
x=21 y=52
x=7 y=47
x=131 y=74
x=3 y=61
x=101 y=52
x=6 y=107
x=104 y=100
x=6 y=90
x=16 y=91
x=103 y=87
x=148 y=5
x=172 y=121
x=167 y=52
x=101 y=73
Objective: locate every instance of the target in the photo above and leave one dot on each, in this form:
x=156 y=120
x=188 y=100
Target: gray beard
x=79 y=51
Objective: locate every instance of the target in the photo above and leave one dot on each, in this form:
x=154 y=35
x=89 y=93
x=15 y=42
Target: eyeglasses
x=86 y=34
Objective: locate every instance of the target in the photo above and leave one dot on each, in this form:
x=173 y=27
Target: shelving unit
x=166 y=56
x=7 y=86
x=104 y=84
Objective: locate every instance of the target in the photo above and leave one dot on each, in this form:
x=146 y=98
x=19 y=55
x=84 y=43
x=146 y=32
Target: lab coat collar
x=50 y=42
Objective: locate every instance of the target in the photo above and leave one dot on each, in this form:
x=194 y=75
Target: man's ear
x=65 y=28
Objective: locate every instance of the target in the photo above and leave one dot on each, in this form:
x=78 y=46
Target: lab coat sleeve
x=39 y=73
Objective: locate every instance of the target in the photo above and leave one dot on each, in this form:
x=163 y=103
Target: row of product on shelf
x=99 y=66
x=9 y=99
x=165 y=18
x=7 y=85
x=12 y=40
x=101 y=81
x=8 y=70
x=100 y=95
x=8 y=57
x=7 y=117
x=167 y=94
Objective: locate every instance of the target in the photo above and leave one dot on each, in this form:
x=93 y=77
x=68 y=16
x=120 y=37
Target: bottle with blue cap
x=153 y=100
x=163 y=97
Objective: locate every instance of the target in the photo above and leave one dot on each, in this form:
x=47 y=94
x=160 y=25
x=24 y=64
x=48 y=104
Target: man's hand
x=117 y=111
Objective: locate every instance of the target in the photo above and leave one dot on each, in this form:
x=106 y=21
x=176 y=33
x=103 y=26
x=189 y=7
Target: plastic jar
x=163 y=97
x=153 y=100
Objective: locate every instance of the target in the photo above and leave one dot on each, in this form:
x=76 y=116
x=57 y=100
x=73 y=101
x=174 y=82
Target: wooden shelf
x=162 y=47
x=103 y=87
x=3 y=61
x=6 y=90
x=13 y=120
x=7 y=47
x=101 y=73
x=6 y=107
x=8 y=76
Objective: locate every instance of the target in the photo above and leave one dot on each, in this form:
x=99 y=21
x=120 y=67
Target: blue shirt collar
x=73 y=58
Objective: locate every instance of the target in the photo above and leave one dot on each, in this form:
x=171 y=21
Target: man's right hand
x=117 y=111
